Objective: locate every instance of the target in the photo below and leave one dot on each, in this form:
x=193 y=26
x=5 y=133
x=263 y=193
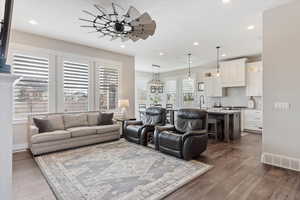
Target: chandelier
x=156 y=84
x=130 y=25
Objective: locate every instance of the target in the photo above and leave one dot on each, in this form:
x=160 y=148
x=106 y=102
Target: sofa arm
x=33 y=130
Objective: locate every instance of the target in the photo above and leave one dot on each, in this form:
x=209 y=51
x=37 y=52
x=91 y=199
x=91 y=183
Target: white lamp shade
x=123 y=103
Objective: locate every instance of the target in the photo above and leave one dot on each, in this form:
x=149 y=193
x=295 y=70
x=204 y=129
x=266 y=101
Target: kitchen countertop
x=222 y=111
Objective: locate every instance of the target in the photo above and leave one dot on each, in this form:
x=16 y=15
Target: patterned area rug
x=117 y=170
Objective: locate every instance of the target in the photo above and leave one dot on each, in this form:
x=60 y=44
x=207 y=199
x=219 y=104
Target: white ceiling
x=179 y=25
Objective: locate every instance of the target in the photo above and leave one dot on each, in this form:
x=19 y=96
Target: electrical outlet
x=282 y=106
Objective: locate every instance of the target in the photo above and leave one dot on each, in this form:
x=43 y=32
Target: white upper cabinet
x=254 y=79
x=233 y=73
x=213 y=87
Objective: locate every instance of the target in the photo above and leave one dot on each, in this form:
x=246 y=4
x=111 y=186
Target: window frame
x=106 y=64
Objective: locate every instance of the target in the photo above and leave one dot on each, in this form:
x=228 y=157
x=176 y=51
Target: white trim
x=281 y=161
x=20 y=148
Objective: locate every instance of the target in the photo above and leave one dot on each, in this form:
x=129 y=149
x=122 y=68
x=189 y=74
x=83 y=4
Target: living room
x=108 y=99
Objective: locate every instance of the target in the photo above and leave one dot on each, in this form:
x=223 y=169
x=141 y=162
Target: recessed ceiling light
x=196 y=43
x=33 y=22
x=224 y=55
x=122 y=46
x=251 y=27
x=161 y=54
x=226 y=1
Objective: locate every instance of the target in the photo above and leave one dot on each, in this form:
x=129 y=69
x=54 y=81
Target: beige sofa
x=70 y=130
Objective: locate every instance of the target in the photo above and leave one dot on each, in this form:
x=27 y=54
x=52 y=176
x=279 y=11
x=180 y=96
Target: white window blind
x=76 y=84
x=108 y=88
x=31 y=92
x=171 y=92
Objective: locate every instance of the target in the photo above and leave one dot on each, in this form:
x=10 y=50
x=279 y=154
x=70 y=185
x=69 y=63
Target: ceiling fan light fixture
x=130 y=25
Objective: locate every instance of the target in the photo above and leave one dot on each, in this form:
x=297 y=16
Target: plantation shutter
x=108 y=88
x=76 y=84
x=31 y=92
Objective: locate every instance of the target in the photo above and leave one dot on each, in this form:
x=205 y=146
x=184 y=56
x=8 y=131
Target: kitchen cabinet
x=253 y=120
x=254 y=79
x=213 y=86
x=233 y=73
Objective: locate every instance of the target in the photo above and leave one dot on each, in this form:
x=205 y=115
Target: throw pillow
x=106 y=118
x=75 y=120
x=56 y=122
x=42 y=125
x=93 y=119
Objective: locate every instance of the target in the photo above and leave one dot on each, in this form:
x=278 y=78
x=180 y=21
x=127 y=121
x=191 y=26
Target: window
x=108 y=88
x=76 y=84
x=188 y=90
x=171 y=90
x=31 y=92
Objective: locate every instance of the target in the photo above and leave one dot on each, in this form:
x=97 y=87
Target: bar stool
x=168 y=107
x=215 y=128
x=142 y=108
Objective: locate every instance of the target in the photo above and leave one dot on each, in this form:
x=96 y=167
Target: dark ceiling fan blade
x=87 y=20
x=99 y=8
x=86 y=26
x=89 y=13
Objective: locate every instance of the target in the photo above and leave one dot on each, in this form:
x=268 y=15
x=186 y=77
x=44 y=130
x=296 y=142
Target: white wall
x=127 y=82
x=281 y=43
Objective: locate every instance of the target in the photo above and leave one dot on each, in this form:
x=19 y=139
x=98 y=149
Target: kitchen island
x=231 y=120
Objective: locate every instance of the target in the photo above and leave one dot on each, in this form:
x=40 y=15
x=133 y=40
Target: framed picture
x=161 y=89
x=201 y=86
x=153 y=89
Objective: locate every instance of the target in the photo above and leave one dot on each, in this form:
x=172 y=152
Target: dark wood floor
x=237 y=175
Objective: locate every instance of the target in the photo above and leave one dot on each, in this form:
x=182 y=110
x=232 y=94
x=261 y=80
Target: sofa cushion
x=50 y=136
x=56 y=122
x=75 y=120
x=105 y=119
x=107 y=128
x=42 y=125
x=82 y=131
x=93 y=119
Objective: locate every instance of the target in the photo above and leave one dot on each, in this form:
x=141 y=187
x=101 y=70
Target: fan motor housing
x=119 y=27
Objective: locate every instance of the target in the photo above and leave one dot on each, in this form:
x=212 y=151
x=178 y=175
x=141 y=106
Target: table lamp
x=124 y=105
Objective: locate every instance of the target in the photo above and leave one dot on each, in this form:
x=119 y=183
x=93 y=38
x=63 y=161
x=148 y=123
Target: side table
x=122 y=121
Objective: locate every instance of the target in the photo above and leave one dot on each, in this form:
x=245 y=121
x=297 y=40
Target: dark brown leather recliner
x=136 y=131
x=188 y=138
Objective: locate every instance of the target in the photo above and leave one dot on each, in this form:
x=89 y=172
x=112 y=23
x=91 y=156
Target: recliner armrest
x=127 y=123
x=194 y=133
x=164 y=128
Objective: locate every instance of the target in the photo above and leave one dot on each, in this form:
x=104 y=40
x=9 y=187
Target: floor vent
x=281 y=161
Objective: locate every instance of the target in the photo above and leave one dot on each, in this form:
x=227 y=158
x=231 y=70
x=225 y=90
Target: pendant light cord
x=218 y=59
x=189 y=60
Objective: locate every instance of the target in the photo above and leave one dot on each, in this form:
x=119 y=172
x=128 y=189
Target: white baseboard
x=20 y=147
x=281 y=161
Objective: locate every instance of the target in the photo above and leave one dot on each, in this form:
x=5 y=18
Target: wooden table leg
x=226 y=128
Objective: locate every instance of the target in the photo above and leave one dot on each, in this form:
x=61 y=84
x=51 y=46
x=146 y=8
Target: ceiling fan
x=116 y=23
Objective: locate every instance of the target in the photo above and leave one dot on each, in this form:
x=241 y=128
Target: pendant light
x=218 y=61
x=189 y=62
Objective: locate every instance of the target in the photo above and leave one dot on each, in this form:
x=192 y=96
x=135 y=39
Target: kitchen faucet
x=201 y=101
